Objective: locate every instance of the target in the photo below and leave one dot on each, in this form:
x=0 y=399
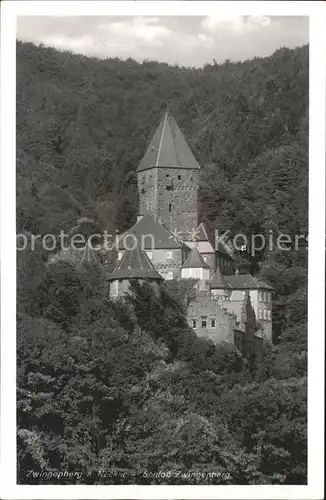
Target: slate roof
x=168 y=148
x=237 y=282
x=203 y=233
x=218 y=282
x=160 y=238
x=195 y=260
x=245 y=282
x=134 y=264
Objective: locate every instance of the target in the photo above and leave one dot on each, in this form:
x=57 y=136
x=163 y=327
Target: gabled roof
x=195 y=260
x=204 y=233
x=218 y=282
x=168 y=148
x=134 y=264
x=150 y=235
x=246 y=282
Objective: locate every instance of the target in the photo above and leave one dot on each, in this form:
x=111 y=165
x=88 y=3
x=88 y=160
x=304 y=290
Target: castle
x=168 y=242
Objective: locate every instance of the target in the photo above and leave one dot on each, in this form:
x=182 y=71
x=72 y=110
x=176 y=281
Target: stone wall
x=171 y=196
x=212 y=321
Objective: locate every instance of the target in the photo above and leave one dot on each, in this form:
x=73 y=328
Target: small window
x=269 y=315
x=194 y=323
x=179 y=177
x=167 y=175
x=170 y=207
x=168 y=255
x=149 y=255
x=203 y=323
x=212 y=323
x=169 y=188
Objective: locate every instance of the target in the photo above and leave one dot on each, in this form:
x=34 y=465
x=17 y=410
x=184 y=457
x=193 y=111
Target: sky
x=186 y=41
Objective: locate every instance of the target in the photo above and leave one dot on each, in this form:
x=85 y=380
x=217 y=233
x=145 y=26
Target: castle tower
x=196 y=267
x=168 y=179
x=134 y=265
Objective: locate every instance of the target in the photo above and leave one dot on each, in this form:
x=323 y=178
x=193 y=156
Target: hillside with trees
x=128 y=386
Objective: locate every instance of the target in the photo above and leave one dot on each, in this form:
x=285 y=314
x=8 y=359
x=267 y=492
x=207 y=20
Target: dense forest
x=128 y=386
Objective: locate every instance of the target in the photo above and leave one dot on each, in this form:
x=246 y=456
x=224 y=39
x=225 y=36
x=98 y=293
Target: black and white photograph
x=162 y=204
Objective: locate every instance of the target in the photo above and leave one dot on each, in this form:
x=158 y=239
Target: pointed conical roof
x=150 y=235
x=194 y=260
x=218 y=281
x=204 y=233
x=168 y=148
x=134 y=264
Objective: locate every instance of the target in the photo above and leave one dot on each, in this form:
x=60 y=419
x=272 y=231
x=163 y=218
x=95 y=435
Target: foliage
x=128 y=386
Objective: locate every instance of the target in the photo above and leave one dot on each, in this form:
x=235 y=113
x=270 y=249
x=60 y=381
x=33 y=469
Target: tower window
x=179 y=177
x=170 y=207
